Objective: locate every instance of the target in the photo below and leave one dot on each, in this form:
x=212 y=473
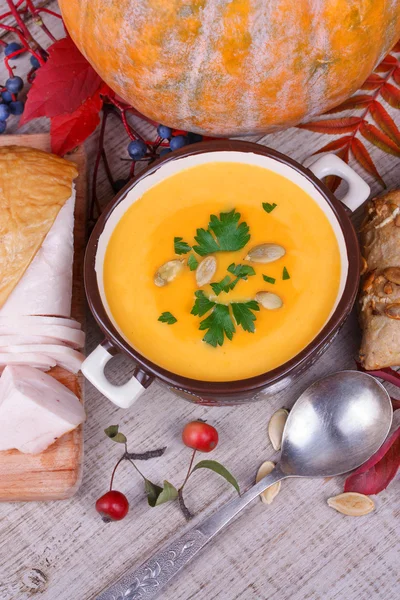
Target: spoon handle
x=148 y=580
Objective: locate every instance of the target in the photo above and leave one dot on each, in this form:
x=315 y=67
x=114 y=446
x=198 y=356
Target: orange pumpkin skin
x=231 y=67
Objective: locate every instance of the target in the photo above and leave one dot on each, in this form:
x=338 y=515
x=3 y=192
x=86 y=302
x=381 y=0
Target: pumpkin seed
x=276 y=426
x=168 y=271
x=393 y=311
x=352 y=504
x=270 y=493
x=392 y=274
x=269 y=300
x=206 y=270
x=265 y=253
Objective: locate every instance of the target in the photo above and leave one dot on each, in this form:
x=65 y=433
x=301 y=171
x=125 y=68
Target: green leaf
x=241 y=271
x=168 y=494
x=221 y=286
x=224 y=234
x=244 y=315
x=202 y=304
x=153 y=491
x=226 y=284
x=215 y=466
x=167 y=317
x=180 y=246
x=269 y=279
x=269 y=207
x=285 y=274
x=114 y=435
x=193 y=263
x=219 y=324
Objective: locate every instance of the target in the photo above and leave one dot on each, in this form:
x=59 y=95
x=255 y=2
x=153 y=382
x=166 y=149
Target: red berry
x=113 y=506
x=200 y=436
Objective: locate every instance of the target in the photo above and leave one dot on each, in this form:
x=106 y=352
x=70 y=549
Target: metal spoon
x=334 y=427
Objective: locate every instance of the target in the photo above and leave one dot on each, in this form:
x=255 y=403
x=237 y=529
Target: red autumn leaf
x=335 y=145
x=62 y=84
x=387 y=63
x=363 y=157
x=379 y=139
x=376 y=474
x=385 y=121
x=333 y=181
x=68 y=131
x=396 y=75
x=333 y=126
x=396 y=47
x=395 y=403
x=391 y=95
x=373 y=82
x=360 y=101
x=387 y=374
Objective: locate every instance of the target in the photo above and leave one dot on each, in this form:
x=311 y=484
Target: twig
x=145 y=455
x=186 y=512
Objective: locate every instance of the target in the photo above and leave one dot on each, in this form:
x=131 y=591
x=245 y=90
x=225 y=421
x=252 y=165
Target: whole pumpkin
x=230 y=67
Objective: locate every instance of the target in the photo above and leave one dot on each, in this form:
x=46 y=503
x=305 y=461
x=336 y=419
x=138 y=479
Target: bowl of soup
x=224 y=270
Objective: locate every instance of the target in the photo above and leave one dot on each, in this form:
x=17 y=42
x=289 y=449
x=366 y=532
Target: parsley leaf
x=244 y=315
x=202 y=304
x=222 y=286
x=285 y=274
x=193 y=263
x=269 y=207
x=241 y=271
x=180 y=246
x=219 y=324
x=224 y=234
x=167 y=317
x=226 y=284
x=269 y=279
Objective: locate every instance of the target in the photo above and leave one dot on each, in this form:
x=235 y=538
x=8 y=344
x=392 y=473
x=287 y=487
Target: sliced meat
x=46 y=286
x=33 y=359
x=35 y=410
x=67 y=335
x=30 y=320
x=69 y=359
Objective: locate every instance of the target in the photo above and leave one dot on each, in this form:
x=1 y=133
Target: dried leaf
x=363 y=157
x=391 y=94
x=376 y=474
x=372 y=82
x=333 y=126
x=385 y=121
x=68 y=131
x=387 y=63
x=379 y=139
x=335 y=145
x=62 y=84
x=359 y=101
x=396 y=75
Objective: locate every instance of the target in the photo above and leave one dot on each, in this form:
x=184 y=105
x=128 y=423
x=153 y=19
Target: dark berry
x=178 y=142
x=3 y=126
x=119 y=184
x=16 y=108
x=7 y=97
x=194 y=137
x=4 y=112
x=165 y=151
x=164 y=132
x=34 y=62
x=14 y=84
x=11 y=48
x=137 y=149
x=113 y=506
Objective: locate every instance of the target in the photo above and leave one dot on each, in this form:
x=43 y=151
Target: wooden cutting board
x=56 y=473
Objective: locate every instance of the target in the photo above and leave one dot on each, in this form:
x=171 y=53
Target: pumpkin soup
x=222 y=271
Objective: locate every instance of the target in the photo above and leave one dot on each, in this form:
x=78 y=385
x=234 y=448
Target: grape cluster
x=137 y=149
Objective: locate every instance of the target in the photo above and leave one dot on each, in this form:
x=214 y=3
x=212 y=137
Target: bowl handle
x=122 y=395
x=330 y=164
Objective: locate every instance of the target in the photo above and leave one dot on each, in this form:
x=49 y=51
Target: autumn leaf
x=333 y=181
x=387 y=63
x=70 y=130
x=61 y=85
x=395 y=403
x=379 y=139
x=362 y=156
x=385 y=121
x=335 y=145
x=372 y=82
x=333 y=126
x=376 y=474
x=391 y=94
x=360 y=101
x=396 y=75
x=396 y=47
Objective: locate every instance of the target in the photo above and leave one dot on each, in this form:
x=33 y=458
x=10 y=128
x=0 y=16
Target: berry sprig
x=198 y=435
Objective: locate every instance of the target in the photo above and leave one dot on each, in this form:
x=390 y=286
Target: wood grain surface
x=296 y=549
x=56 y=473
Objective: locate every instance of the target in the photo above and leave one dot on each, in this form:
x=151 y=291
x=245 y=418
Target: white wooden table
x=297 y=548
